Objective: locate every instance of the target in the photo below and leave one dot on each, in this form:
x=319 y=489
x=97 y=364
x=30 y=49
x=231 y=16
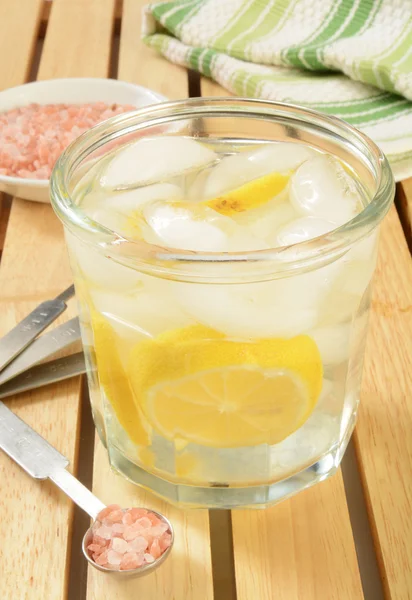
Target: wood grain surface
x=19 y=25
x=186 y=575
x=404 y=206
x=140 y=64
x=302 y=549
x=35 y=267
x=188 y=572
x=5 y=206
x=384 y=431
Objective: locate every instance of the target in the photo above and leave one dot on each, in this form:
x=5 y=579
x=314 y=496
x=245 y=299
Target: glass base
x=259 y=496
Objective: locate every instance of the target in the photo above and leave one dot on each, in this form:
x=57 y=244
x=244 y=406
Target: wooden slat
x=404 y=206
x=78 y=39
x=302 y=549
x=211 y=88
x=5 y=205
x=19 y=24
x=35 y=267
x=48 y=4
x=140 y=64
x=384 y=432
x=188 y=572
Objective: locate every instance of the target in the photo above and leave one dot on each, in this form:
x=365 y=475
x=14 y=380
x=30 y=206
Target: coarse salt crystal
x=155 y=549
x=165 y=541
x=120 y=545
x=138 y=513
x=95 y=548
x=131 y=560
x=139 y=544
x=153 y=519
x=125 y=539
x=106 y=511
x=115 y=516
x=149 y=558
x=114 y=558
x=158 y=530
x=118 y=529
x=104 y=532
x=144 y=523
x=36 y=135
x=102 y=559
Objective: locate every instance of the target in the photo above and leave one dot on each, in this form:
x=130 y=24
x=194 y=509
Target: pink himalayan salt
x=131 y=560
x=165 y=541
x=155 y=549
x=120 y=545
x=33 y=137
x=104 y=532
x=149 y=558
x=153 y=519
x=138 y=513
x=118 y=529
x=130 y=540
x=114 y=558
x=115 y=516
x=139 y=544
x=102 y=559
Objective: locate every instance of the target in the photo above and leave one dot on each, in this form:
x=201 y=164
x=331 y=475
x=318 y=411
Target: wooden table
x=349 y=538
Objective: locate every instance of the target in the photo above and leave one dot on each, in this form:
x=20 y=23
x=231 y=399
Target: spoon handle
x=77 y=492
x=40 y=460
x=36 y=456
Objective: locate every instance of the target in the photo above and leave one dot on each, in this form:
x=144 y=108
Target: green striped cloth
x=349 y=58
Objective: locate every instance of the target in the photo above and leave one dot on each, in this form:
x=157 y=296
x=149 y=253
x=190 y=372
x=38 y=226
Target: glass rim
x=285 y=258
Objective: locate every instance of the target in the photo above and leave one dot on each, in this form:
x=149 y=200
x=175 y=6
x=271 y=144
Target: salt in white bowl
x=66 y=91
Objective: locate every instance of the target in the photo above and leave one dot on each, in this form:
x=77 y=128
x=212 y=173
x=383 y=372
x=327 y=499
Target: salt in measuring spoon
x=40 y=460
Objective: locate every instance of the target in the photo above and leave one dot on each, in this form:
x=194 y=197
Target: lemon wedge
x=193 y=384
x=114 y=381
x=250 y=195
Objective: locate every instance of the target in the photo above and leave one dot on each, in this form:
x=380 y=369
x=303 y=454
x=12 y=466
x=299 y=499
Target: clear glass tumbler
x=143 y=309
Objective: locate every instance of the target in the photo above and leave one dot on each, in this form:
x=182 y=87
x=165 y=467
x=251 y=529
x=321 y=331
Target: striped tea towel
x=293 y=51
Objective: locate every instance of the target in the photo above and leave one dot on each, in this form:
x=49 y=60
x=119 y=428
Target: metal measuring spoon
x=40 y=460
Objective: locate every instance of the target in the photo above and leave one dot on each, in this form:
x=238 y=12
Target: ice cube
x=115 y=222
x=283 y=307
x=94 y=267
x=366 y=248
x=265 y=221
x=357 y=276
x=333 y=342
x=177 y=227
x=154 y=159
x=306 y=444
x=300 y=230
x=195 y=227
x=338 y=305
x=322 y=188
x=121 y=212
x=142 y=314
x=235 y=170
x=129 y=201
x=251 y=311
x=359 y=265
x=194 y=184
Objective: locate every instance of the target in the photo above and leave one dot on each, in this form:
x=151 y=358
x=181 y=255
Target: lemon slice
x=194 y=385
x=114 y=381
x=250 y=195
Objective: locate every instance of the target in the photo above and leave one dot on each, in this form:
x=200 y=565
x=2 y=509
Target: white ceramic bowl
x=68 y=91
